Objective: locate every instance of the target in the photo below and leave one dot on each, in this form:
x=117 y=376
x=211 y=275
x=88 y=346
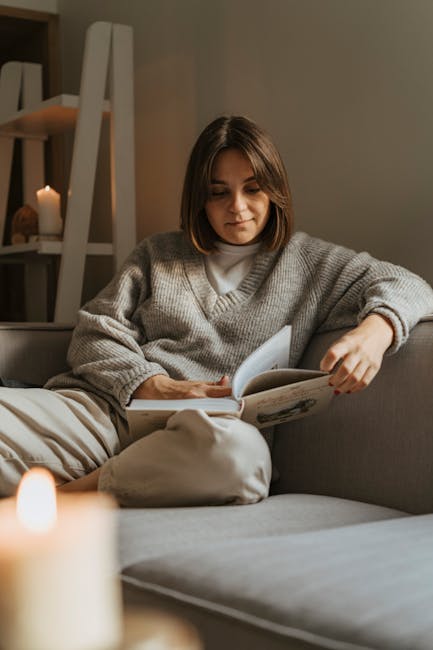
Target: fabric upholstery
x=374 y=446
x=362 y=586
x=151 y=532
x=33 y=352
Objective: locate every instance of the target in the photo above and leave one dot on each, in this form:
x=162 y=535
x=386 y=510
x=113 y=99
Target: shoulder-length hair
x=235 y=132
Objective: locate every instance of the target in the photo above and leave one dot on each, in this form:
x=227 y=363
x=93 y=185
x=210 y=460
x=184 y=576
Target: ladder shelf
x=108 y=54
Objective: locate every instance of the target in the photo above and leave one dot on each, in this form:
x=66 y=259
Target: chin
x=241 y=239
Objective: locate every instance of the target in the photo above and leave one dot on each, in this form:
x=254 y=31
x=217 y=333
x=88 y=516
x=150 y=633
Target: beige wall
x=344 y=86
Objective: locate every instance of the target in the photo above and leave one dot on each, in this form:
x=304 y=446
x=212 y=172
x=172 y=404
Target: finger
x=352 y=380
x=218 y=391
x=224 y=381
x=346 y=368
x=366 y=379
x=333 y=355
x=185 y=389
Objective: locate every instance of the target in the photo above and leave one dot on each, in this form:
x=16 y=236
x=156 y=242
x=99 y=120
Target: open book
x=265 y=392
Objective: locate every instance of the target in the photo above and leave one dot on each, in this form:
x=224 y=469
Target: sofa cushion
x=362 y=586
x=145 y=533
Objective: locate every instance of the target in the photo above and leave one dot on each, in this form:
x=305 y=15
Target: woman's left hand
x=360 y=352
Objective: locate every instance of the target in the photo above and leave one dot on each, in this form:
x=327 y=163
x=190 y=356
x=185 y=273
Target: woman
x=186 y=308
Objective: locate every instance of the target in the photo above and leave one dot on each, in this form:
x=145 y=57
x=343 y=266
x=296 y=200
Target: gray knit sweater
x=159 y=314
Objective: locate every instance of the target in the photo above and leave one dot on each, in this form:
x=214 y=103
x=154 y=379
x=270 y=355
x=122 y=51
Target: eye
x=252 y=190
x=217 y=192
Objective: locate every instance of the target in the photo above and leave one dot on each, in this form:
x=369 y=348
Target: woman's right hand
x=163 y=387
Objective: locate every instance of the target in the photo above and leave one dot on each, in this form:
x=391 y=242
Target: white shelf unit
x=47 y=247
x=50 y=117
x=108 y=48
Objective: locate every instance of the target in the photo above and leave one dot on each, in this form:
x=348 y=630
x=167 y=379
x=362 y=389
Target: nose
x=237 y=203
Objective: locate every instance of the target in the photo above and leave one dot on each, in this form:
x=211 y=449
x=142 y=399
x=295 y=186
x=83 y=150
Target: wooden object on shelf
x=108 y=48
x=24 y=225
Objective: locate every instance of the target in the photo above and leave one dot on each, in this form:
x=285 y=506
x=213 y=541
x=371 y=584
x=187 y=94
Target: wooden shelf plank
x=55 y=115
x=46 y=247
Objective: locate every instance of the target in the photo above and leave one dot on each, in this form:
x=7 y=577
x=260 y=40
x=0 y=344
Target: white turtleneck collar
x=229 y=265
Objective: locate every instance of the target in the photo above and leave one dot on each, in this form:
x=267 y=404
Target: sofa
x=339 y=556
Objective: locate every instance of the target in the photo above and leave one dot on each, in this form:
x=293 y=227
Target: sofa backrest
x=374 y=446
x=33 y=352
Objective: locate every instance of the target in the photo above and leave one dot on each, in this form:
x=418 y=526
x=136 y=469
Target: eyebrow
x=215 y=181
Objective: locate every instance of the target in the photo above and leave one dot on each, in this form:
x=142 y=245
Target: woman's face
x=237 y=209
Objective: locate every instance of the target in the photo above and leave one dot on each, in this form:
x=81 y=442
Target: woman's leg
x=69 y=432
x=195 y=460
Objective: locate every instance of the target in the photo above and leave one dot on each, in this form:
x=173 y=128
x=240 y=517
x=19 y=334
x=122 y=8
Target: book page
x=146 y=416
x=287 y=403
x=279 y=377
x=225 y=404
x=273 y=353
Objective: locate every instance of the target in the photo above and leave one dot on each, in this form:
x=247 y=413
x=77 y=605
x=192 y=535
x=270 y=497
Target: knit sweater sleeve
x=353 y=285
x=105 y=350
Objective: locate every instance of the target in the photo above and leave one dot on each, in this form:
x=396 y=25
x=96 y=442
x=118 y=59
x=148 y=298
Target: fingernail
x=336 y=392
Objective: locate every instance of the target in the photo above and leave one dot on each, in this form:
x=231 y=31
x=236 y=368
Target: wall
x=344 y=87
x=165 y=102
x=49 y=6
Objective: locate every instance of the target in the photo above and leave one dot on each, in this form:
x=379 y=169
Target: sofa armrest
x=33 y=352
x=374 y=446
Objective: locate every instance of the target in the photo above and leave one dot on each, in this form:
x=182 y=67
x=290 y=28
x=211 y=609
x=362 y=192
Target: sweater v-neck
x=209 y=300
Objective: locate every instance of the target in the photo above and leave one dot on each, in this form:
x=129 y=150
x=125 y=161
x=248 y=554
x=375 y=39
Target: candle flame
x=36 y=501
x=47 y=188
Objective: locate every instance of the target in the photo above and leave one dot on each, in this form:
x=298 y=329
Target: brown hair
x=235 y=132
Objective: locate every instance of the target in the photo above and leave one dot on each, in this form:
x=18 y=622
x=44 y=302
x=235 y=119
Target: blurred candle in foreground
x=58 y=584
x=36 y=501
x=49 y=219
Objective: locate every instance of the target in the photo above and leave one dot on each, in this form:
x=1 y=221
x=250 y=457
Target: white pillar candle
x=49 y=219
x=58 y=584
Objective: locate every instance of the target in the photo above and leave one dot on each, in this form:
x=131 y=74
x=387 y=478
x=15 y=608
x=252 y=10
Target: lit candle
x=49 y=219
x=58 y=584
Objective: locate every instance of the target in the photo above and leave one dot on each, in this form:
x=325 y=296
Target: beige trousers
x=194 y=460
